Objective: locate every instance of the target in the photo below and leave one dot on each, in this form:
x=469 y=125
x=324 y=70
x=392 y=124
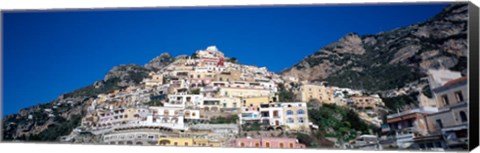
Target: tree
x=285 y=95
x=306 y=139
x=224 y=120
x=339 y=119
x=194 y=56
x=233 y=60
x=195 y=91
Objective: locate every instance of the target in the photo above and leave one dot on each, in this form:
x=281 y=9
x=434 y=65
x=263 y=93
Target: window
x=459 y=96
x=410 y=123
x=242 y=144
x=290 y=120
x=300 y=111
x=445 y=100
x=257 y=145
x=429 y=145
x=186 y=143
x=281 y=145
x=300 y=120
x=422 y=146
x=289 y=112
x=291 y=145
x=463 y=116
x=439 y=123
x=267 y=144
x=275 y=114
x=175 y=143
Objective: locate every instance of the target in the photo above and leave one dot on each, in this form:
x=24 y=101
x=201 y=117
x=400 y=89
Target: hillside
x=49 y=121
x=392 y=59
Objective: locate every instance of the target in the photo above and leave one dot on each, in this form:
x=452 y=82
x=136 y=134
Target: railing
x=418 y=110
x=405 y=137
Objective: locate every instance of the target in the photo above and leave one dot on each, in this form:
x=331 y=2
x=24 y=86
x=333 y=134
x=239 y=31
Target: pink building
x=267 y=143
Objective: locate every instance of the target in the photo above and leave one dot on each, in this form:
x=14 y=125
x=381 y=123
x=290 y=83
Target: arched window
x=289 y=112
x=281 y=145
x=257 y=145
x=242 y=144
x=291 y=145
x=290 y=120
x=300 y=111
x=463 y=116
x=267 y=144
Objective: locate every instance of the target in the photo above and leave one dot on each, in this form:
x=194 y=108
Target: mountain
x=393 y=59
x=49 y=121
x=383 y=61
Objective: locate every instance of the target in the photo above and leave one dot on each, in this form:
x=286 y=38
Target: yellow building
x=321 y=93
x=154 y=80
x=228 y=76
x=295 y=115
x=187 y=142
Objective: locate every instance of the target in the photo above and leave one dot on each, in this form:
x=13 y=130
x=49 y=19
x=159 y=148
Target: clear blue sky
x=49 y=53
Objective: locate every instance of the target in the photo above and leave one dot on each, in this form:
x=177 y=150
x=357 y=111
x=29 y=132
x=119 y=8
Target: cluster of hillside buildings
x=173 y=106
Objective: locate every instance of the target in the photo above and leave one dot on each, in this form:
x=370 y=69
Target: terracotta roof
x=451 y=84
x=454 y=81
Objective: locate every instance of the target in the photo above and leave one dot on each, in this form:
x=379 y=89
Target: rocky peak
x=405 y=53
x=351 y=43
x=159 y=62
x=126 y=74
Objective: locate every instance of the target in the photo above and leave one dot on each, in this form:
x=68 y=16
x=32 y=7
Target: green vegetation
x=89 y=91
x=285 y=95
x=195 y=91
x=194 y=56
x=232 y=119
x=397 y=103
x=338 y=121
x=55 y=131
x=377 y=78
x=232 y=60
x=427 y=92
x=154 y=102
x=461 y=64
x=308 y=140
x=252 y=127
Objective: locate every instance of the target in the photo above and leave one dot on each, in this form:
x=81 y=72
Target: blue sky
x=49 y=53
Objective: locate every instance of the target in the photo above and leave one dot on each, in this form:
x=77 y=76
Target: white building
x=184 y=101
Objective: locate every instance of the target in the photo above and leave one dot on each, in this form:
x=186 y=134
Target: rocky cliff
x=392 y=59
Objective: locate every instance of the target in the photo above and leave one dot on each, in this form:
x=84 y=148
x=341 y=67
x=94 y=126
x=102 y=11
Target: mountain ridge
x=439 y=42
